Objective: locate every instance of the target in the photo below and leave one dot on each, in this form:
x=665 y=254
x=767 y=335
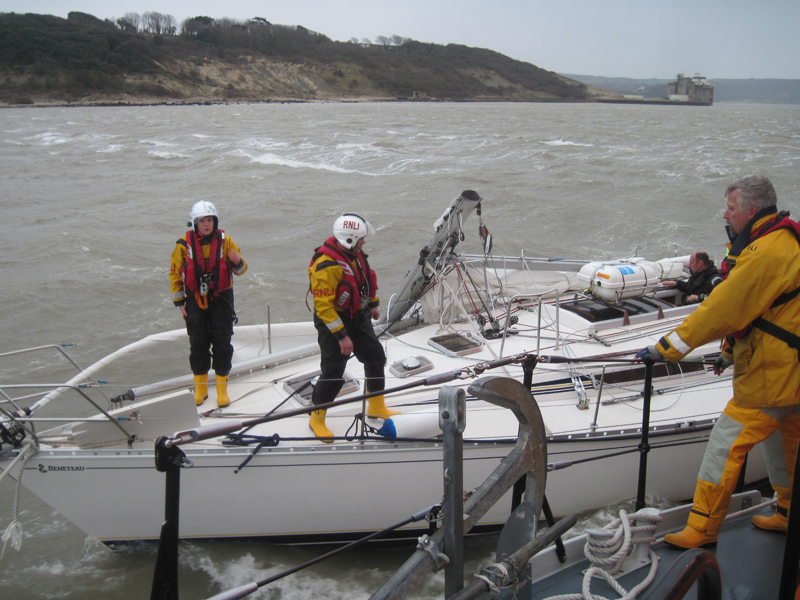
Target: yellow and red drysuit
x=344 y=289
x=209 y=319
x=766 y=378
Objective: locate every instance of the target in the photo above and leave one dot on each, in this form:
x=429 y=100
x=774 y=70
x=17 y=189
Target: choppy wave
x=272 y=159
x=167 y=155
x=51 y=138
x=562 y=142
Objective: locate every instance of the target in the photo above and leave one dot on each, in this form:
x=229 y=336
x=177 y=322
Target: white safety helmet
x=201 y=209
x=350 y=228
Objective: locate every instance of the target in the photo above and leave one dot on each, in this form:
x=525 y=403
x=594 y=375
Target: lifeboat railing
x=527 y=459
x=21 y=416
x=524 y=470
x=532 y=297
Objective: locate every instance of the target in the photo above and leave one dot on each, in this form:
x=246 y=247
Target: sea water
x=93 y=199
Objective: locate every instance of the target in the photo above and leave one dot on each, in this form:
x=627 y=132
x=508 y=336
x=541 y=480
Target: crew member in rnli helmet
x=201 y=281
x=345 y=293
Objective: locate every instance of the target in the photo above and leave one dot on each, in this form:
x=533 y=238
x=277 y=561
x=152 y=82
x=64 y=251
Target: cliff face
x=48 y=60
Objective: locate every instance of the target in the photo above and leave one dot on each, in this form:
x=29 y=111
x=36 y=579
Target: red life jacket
x=781 y=220
x=216 y=265
x=358 y=285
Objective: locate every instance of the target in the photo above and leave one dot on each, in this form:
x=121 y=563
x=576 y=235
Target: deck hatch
x=455 y=344
x=595 y=311
x=291 y=385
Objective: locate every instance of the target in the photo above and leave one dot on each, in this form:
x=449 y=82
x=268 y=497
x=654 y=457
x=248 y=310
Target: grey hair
x=755 y=190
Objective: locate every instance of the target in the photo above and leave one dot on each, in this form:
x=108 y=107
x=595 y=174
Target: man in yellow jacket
x=757 y=310
x=201 y=281
x=345 y=292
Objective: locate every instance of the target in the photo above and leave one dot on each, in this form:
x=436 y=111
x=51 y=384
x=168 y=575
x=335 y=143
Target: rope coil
x=617 y=547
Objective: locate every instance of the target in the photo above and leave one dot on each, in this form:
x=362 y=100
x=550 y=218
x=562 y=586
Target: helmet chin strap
x=344 y=248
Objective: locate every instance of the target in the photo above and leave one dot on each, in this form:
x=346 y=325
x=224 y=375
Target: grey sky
x=722 y=39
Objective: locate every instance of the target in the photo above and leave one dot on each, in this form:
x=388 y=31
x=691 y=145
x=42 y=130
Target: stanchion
x=644 y=446
x=169 y=460
x=452 y=421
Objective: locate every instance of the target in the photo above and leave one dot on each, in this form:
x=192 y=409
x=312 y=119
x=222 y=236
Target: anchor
x=527 y=459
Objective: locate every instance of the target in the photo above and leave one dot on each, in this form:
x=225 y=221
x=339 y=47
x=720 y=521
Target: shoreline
x=353 y=100
x=334 y=100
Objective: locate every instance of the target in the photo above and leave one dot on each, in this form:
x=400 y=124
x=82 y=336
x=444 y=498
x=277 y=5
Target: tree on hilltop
x=129 y=22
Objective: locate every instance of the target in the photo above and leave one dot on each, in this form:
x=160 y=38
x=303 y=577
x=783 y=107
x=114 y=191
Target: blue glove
x=650 y=352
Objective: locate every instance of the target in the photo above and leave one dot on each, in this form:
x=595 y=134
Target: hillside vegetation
x=82 y=59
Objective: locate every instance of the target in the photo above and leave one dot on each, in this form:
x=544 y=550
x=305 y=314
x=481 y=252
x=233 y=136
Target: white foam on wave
x=280 y=161
x=304 y=584
x=350 y=145
x=77 y=567
x=202 y=136
x=51 y=138
x=403 y=165
x=265 y=144
x=157 y=143
x=562 y=142
x=110 y=149
x=48 y=568
x=436 y=136
x=167 y=155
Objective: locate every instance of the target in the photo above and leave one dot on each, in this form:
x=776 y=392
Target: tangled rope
x=13 y=532
x=608 y=555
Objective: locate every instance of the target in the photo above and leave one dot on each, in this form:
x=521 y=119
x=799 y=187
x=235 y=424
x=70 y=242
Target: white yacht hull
x=319 y=493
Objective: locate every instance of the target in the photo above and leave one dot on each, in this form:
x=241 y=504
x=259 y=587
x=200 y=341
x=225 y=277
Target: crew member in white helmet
x=201 y=281
x=345 y=293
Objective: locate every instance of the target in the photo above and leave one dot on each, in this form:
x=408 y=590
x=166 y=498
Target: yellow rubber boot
x=200 y=388
x=691 y=538
x=222 y=391
x=317 y=424
x=778 y=522
x=376 y=408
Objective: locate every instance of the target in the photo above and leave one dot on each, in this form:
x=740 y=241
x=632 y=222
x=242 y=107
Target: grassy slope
x=46 y=59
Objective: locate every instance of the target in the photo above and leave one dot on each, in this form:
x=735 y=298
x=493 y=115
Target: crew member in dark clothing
x=201 y=281
x=703 y=279
x=345 y=294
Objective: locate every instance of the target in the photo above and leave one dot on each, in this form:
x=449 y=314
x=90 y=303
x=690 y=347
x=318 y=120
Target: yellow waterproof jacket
x=178 y=260
x=325 y=275
x=766 y=370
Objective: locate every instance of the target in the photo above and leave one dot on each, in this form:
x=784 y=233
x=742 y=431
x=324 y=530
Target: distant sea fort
x=688 y=91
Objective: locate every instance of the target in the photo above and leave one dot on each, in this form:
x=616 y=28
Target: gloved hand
x=723 y=362
x=650 y=352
